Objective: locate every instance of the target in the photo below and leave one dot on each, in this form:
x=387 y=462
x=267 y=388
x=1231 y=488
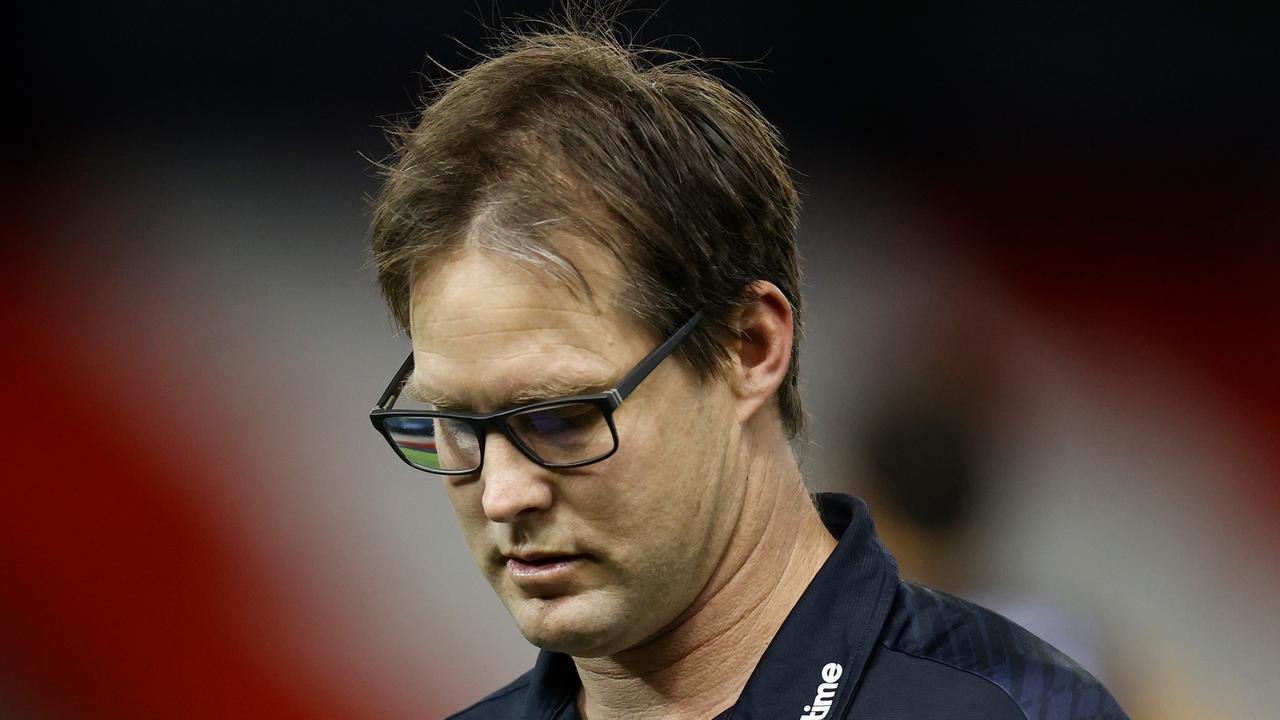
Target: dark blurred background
x=1043 y=293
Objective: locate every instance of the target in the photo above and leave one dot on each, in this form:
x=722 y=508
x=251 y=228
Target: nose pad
x=513 y=484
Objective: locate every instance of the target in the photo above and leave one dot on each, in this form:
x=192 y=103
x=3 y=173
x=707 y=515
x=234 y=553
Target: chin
x=576 y=625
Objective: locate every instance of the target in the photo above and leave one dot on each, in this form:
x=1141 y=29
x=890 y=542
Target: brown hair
x=566 y=129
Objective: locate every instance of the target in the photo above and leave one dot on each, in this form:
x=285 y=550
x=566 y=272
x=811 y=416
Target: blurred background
x=1043 y=297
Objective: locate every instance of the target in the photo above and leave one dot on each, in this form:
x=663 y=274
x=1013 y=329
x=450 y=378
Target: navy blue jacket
x=862 y=643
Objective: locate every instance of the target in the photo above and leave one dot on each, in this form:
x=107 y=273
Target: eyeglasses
x=565 y=432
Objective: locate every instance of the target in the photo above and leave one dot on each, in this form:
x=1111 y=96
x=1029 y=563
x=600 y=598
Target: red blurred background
x=1043 y=293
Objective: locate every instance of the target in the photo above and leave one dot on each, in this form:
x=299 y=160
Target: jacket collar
x=835 y=624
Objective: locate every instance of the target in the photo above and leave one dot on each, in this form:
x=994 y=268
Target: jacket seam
x=953 y=666
x=496 y=696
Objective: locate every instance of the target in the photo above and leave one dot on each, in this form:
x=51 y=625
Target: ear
x=761 y=354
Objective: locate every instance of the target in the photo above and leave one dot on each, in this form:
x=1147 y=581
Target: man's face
x=634 y=538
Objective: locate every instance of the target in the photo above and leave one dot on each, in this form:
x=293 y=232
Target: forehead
x=486 y=328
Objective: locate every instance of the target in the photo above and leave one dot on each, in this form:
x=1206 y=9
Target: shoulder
x=505 y=702
x=971 y=657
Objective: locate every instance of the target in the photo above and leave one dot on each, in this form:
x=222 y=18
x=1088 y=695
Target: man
x=595 y=259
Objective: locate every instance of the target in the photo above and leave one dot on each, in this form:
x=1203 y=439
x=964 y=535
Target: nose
x=513 y=484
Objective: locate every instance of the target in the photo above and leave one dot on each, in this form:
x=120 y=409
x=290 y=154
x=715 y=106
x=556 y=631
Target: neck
x=698 y=666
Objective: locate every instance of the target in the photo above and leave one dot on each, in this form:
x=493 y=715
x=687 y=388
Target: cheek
x=655 y=513
x=659 y=488
x=466 y=499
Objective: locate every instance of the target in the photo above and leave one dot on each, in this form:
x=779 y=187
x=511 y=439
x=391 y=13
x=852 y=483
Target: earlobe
x=763 y=347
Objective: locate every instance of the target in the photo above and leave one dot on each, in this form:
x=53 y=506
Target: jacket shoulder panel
x=1043 y=682
x=902 y=686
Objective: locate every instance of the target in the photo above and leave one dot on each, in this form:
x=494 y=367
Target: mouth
x=540 y=567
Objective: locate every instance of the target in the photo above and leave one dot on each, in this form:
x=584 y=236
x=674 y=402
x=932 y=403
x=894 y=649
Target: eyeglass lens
x=435 y=443
x=564 y=433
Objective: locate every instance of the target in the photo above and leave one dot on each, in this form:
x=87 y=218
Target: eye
x=564 y=434
x=562 y=420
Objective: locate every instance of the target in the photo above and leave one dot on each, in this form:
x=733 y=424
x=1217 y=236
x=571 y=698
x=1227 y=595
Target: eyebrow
x=548 y=389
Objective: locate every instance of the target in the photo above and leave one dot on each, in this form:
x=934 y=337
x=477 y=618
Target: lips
x=539 y=558
x=541 y=567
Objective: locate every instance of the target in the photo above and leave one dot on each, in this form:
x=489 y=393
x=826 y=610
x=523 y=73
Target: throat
x=698 y=667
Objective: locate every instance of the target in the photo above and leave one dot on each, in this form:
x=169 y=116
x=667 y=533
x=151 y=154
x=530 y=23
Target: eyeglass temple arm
x=397 y=382
x=653 y=359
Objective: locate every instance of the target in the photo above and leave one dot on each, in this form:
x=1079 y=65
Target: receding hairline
x=562 y=260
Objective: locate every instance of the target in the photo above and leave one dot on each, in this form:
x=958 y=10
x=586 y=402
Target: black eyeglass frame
x=607 y=401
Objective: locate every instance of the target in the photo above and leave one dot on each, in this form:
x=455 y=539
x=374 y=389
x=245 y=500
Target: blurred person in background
x=923 y=462
x=594 y=255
